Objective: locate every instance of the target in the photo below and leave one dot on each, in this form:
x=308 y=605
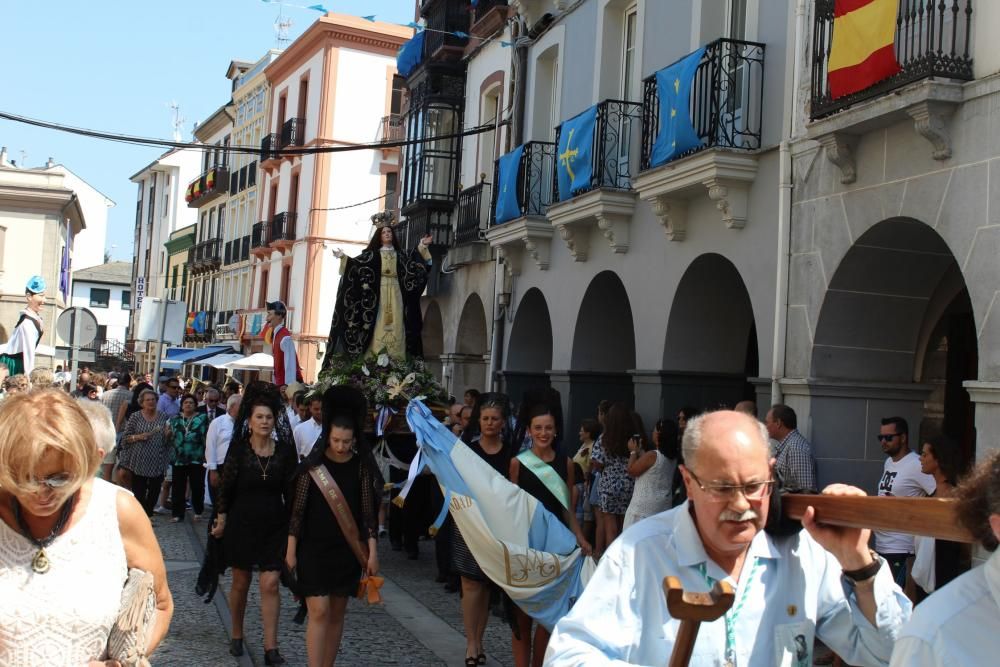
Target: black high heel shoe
x=236 y=647
x=272 y=657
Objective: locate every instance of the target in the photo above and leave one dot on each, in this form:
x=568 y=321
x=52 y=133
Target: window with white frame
x=630 y=82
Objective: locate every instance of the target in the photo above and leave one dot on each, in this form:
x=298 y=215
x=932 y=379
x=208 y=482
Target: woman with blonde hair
x=67 y=539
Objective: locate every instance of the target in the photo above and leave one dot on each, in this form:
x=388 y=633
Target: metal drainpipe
x=785 y=188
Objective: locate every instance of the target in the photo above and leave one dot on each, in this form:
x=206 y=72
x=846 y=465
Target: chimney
x=3 y=157
x=51 y=163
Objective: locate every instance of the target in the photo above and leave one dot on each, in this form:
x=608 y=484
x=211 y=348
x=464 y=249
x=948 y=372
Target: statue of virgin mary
x=378 y=301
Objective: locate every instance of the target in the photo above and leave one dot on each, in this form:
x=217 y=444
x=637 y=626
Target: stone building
x=840 y=257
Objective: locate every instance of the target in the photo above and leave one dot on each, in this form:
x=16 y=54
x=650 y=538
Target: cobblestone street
x=419 y=624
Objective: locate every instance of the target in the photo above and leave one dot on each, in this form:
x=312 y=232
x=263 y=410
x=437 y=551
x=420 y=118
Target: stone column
x=986 y=396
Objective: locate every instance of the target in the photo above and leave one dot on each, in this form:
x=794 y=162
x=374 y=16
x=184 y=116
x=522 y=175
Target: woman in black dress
x=326 y=567
x=252 y=516
x=488 y=438
x=558 y=497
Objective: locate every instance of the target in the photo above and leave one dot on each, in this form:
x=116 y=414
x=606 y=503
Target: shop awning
x=175 y=357
x=218 y=360
x=257 y=361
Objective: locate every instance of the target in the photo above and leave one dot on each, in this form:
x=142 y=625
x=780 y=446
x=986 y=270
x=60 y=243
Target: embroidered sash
x=547 y=474
x=334 y=497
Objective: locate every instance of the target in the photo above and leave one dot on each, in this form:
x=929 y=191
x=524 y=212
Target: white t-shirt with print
x=901 y=478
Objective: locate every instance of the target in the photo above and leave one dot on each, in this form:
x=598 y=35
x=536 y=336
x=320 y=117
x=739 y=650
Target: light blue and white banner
x=519 y=544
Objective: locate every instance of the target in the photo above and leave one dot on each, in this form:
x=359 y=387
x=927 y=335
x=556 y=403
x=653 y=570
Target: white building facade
x=106 y=291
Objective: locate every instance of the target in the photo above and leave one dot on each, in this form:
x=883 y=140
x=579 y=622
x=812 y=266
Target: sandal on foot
x=481 y=660
x=471 y=662
x=236 y=647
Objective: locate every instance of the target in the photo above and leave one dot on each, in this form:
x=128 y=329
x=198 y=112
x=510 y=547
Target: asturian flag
x=508 y=207
x=677 y=134
x=520 y=545
x=863 y=49
x=574 y=154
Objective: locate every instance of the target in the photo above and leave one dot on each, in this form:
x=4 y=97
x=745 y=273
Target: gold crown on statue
x=384 y=219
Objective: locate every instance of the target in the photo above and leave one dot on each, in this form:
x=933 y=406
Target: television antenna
x=282 y=26
x=178 y=120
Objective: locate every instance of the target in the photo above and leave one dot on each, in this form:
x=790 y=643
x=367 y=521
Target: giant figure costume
x=19 y=355
x=378 y=302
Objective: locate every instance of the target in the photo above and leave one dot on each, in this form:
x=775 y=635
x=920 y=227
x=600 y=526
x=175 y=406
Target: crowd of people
x=297 y=487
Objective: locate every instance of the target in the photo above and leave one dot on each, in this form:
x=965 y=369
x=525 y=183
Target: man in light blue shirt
x=821 y=582
x=168 y=402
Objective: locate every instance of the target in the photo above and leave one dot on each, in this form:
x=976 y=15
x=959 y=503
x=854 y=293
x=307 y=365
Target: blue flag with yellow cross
x=508 y=207
x=677 y=134
x=574 y=154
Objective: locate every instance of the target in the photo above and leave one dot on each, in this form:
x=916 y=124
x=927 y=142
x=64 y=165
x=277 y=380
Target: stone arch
x=471 y=347
x=433 y=338
x=895 y=335
x=710 y=351
x=529 y=352
x=603 y=349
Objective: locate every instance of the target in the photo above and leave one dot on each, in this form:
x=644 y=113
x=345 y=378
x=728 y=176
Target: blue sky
x=116 y=66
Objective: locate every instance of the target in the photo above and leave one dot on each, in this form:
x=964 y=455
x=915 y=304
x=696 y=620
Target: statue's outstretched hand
x=338 y=253
x=426 y=240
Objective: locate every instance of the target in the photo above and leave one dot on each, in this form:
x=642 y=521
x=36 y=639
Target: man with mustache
x=819 y=582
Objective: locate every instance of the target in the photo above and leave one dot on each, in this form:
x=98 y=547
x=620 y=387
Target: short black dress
x=325 y=562
x=254 y=494
x=463 y=562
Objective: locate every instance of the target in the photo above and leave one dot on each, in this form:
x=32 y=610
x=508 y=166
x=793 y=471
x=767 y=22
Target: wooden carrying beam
x=932 y=517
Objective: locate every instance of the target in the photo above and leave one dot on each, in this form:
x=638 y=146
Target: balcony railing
x=391 y=128
x=932 y=40
x=534 y=174
x=269 y=147
x=293 y=132
x=484 y=7
x=726 y=99
x=473 y=213
x=260 y=235
x=618 y=123
x=208 y=186
x=423 y=222
x=283 y=227
x=205 y=256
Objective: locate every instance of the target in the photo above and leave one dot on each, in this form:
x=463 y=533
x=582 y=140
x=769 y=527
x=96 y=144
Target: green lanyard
x=734 y=611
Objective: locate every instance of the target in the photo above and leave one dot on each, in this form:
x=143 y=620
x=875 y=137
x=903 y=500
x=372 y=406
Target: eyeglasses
x=886 y=437
x=750 y=490
x=54 y=482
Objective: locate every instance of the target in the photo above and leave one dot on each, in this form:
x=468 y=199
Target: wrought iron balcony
x=205 y=256
x=293 y=132
x=726 y=99
x=260 y=235
x=473 y=213
x=932 y=40
x=618 y=123
x=416 y=226
x=269 y=147
x=534 y=176
x=208 y=187
x=283 y=227
x=444 y=18
x=391 y=128
x=200 y=327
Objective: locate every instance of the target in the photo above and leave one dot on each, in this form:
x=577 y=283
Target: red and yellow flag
x=863 y=49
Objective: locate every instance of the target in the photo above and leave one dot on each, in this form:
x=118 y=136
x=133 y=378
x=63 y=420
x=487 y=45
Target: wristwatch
x=866 y=572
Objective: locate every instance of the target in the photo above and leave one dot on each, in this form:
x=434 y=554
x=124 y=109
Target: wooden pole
x=932 y=517
x=692 y=609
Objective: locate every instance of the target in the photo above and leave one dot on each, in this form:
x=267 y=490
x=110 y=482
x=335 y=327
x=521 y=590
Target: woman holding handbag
x=329 y=550
x=69 y=543
x=252 y=516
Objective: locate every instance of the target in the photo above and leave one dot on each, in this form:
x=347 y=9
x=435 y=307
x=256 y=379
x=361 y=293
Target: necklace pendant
x=40 y=563
x=729 y=663
x=263 y=476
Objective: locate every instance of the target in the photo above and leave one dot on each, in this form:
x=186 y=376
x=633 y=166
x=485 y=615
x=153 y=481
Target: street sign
x=77 y=326
x=159 y=326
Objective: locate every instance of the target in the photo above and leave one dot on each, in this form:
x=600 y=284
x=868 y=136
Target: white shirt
x=958 y=625
x=796 y=592
x=901 y=478
x=220 y=432
x=305 y=435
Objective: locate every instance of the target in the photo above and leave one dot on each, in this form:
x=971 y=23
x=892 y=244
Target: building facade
x=328 y=89
x=160 y=210
x=41 y=211
x=106 y=291
x=208 y=195
x=839 y=257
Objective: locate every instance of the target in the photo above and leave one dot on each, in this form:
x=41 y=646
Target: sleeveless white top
x=63 y=617
x=652 y=490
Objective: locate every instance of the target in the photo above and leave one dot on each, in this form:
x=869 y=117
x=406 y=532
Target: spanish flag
x=863 y=49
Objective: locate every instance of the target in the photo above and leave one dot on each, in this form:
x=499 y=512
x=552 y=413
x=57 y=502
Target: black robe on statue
x=358 y=298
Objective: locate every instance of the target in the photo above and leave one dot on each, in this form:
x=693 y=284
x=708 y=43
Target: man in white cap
x=19 y=356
